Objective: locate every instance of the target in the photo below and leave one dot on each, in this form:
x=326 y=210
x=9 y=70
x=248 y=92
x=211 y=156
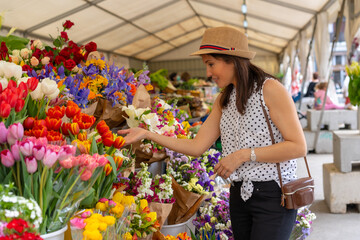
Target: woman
x=249 y=158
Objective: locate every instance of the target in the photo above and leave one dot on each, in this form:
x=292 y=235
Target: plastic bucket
x=57 y=235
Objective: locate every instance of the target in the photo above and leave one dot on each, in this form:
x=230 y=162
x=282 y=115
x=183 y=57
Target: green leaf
x=57 y=42
x=89 y=200
x=93 y=147
x=14 y=42
x=112 y=163
x=10 y=120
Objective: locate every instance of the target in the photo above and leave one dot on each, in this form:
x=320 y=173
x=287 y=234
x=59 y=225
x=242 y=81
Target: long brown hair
x=246 y=75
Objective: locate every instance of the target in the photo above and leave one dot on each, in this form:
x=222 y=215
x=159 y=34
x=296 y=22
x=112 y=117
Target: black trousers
x=261 y=217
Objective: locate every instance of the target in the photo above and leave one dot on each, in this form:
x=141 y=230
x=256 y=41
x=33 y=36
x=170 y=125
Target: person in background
x=319 y=95
x=239 y=117
x=185 y=76
x=175 y=79
x=311 y=88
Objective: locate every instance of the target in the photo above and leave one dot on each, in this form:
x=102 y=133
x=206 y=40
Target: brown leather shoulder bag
x=297 y=193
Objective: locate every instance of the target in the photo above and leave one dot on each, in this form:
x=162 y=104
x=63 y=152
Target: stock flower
x=31 y=164
x=15 y=132
x=39 y=152
x=50 y=158
x=3 y=133
x=53 y=123
x=7 y=158
x=72 y=109
x=102 y=127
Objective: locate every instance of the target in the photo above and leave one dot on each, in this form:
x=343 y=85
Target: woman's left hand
x=228 y=165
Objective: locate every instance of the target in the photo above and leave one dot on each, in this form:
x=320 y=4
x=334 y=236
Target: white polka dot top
x=251 y=130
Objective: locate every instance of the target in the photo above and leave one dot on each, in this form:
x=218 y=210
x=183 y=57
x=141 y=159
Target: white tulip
x=12 y=70
x=23 y=79
x=54 y=94
x=48 y=86
x=2 y=67
x=4 y=83
x=37 y=94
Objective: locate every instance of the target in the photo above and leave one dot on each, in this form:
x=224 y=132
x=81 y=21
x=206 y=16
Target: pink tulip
x=50 y=158
x=3 y=133
x=7 y=158
x=15 y=150
x=67 y=163
x=86 y=175
x=66 y=152
x=78 y=223
x=31 y=164
x=15 y=132
x=39 y=152
x=100 y=159
x=26 y=148
x=92 y=165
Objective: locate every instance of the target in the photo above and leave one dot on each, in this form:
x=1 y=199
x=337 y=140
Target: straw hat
x=224 y=40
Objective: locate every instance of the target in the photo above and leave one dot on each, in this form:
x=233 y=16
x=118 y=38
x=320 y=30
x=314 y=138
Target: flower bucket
x=175 y=229
x=57 y=235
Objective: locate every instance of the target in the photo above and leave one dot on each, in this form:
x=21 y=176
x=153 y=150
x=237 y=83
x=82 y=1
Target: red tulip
x=74 y=128
x=54 y=136
x=12 y=84
x=5 y=109
x=65 y=128
x=1 y=88
x=19 y=105
x=23 y=90
x=72 y=109
x=40 y=122
x=102 y=127
x=53 y=123
x=39 y=131
x=29 y=123
x=108 y=139
x=12 y=98
x=32 y=83
x=119 y=142
x=85 y=121
x=56 y=112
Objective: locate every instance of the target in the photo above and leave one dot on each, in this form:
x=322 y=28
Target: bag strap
x=277 y=164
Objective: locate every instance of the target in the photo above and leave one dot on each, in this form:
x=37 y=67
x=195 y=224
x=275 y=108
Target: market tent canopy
x=145 y=29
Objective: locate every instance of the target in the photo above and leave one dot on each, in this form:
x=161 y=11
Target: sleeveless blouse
x=247 y=131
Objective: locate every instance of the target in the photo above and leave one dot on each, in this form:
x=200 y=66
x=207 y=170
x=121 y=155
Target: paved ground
x=328 y=226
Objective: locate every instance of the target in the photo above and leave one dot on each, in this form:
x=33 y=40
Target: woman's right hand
x=133 y=135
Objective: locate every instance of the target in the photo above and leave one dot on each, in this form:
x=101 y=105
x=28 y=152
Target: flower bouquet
x=302 y=228
x=215 y=214
x=192 y=181
x=156 y=190
x=160 y=118
x=20 y=218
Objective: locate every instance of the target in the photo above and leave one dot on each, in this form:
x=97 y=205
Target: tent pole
x=307 y=63
x=339 y=21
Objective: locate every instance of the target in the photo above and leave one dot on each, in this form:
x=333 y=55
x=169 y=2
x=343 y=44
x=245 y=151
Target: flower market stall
x=64 y=169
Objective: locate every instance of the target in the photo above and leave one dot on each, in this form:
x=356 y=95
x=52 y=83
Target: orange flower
x=53 y=123
x=54 y=136
x=82 y=136
x=149 y=87
x=107 y=169
x=119 y=142
x=118 y=161
x=133 y=89
x=83 y=146
x=85 y=121
x=108 y=139
x=56 y=112
x=72 y=109
x=102 y=127
x=74 y=128
x=65 y=128
x=39 y=131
